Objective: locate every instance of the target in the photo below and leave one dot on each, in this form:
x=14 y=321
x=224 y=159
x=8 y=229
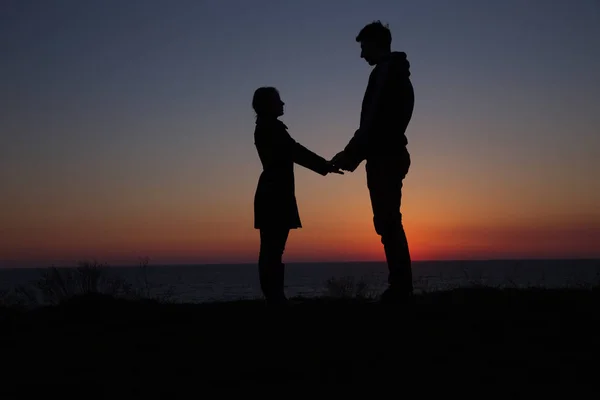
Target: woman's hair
x=261 y=99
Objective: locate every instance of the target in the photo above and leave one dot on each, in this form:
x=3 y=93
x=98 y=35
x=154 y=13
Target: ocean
x=202 y=283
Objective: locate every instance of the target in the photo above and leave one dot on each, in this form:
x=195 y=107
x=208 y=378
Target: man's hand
x=342 y=161
x=337 y=157
x=333 y=169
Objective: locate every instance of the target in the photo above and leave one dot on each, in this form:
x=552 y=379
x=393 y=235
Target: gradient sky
x=127 y=130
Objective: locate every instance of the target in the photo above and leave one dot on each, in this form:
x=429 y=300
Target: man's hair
x=376 y=32
x=262 y=97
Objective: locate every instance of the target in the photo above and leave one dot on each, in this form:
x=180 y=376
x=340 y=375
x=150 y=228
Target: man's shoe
x=396 y=296
x=279 y=300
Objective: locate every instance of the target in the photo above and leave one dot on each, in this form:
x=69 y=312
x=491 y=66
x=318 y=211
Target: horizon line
x=254 y=263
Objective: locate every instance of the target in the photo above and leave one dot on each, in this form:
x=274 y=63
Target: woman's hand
x=333 y=169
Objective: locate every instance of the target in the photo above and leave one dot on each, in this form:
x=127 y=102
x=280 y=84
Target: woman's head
x=266 y=102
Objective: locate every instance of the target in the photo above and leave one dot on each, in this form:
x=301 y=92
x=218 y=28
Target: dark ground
x=457 y=340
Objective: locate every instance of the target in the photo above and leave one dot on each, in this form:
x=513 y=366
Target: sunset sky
x=127 y=131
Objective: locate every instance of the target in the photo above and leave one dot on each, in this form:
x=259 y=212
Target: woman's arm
x=308 y=159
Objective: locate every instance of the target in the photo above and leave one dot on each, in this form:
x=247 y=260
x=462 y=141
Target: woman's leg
x=271 y=269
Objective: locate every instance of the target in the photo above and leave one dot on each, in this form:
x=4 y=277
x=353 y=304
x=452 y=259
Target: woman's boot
x=271 y=278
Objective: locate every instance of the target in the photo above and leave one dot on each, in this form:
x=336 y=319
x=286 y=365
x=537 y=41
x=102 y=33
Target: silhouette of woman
x=275 y=207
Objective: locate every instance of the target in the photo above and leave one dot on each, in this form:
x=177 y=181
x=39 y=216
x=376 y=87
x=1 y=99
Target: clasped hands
x=341 y=162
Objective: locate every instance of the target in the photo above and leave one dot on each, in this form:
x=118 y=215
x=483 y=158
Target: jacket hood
x=399 y=62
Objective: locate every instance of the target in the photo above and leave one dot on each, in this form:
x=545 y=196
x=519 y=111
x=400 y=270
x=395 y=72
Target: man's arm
x=355 y=150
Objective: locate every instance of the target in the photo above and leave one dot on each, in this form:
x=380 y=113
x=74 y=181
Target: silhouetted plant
x=346 y=287
x=474 y=282
x=59 y=284
x=89 y=277
x=143 y=267
x=147 y=290
x=7 y=299
x=19 y=297
x=421 y=284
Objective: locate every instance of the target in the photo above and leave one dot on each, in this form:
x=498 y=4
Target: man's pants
x=385 y=176
x=270 y=268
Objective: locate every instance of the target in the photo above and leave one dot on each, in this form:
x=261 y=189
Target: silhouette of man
x=387 y=109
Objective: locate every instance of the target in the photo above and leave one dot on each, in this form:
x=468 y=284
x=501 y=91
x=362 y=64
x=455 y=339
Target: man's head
x=375 y=42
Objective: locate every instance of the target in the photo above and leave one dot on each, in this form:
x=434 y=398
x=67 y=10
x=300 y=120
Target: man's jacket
x=387 y=108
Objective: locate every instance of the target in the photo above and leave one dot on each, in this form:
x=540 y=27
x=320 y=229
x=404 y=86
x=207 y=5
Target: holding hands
x=333 y=169
x=343 y=162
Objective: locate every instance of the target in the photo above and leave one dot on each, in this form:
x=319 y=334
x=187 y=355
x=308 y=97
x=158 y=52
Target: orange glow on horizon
x=193 y=226
x=314 y=245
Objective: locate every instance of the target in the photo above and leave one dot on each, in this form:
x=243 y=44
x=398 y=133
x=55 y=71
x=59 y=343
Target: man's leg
x=385 y=181
x=271 y=269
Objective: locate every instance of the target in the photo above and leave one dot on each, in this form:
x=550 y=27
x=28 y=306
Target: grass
x=115 y=342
